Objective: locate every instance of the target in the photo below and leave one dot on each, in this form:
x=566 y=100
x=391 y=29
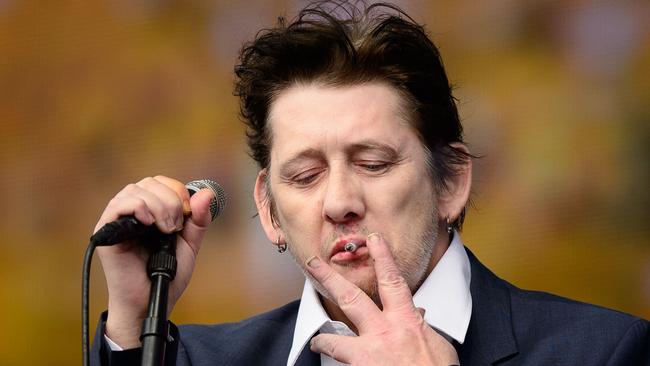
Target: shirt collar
x=311 y=317
x=445 y=294
x=449 y=314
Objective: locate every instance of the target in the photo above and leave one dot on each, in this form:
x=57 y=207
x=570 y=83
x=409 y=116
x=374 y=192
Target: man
x=364 y=179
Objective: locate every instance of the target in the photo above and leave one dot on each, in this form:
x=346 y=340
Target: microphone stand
x=161 y=269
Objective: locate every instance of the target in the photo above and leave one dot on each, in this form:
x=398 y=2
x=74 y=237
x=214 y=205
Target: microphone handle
x=123 y=229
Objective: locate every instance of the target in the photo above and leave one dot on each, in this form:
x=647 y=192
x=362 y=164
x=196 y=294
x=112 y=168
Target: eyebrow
x=389 y=152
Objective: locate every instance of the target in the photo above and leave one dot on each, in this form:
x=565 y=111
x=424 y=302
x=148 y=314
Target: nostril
x=348 y=217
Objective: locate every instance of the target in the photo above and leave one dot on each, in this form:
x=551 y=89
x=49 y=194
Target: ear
x=452 y=200
x=262 y=201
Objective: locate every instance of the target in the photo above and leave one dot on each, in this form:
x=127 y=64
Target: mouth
x=339 y=254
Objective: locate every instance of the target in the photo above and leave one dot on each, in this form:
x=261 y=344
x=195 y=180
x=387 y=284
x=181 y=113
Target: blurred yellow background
x=96 y=94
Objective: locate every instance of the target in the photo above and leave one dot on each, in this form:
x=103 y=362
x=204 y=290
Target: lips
x=340 y=256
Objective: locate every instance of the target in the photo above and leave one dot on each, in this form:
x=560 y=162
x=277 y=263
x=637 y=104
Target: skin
x=344 y=162
x=164 y=202
x=394 y=335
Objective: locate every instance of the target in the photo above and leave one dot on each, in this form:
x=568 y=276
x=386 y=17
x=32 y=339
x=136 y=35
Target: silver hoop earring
x=282 y=247
x=450 y=226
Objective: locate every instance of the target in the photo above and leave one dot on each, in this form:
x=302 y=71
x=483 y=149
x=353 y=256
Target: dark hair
x=339 y=43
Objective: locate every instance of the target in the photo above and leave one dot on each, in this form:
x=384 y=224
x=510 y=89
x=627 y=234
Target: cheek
x=406 y=211
x=409 y=195
x=300 y=220
x=295 y=209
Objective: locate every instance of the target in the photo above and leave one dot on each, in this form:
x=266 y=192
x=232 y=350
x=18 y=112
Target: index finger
x=354 y=303
x=179 y=188
x=393 y=289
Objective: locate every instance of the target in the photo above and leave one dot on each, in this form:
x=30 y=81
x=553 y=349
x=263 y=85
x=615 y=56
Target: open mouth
x=348 y=250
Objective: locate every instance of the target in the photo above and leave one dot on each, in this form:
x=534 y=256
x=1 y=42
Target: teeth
x=350 y=247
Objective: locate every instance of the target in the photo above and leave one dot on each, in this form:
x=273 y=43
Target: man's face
x=346 y=163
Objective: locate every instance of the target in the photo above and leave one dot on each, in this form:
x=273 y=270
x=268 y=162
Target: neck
x=439 y=249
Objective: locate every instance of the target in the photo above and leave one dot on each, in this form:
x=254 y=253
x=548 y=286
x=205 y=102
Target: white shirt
x=444 y=294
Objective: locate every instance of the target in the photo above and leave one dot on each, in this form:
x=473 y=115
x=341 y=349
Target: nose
x=343 y=200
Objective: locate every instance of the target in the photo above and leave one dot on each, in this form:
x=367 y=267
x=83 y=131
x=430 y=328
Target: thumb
x=200 y=217
x=339 y=347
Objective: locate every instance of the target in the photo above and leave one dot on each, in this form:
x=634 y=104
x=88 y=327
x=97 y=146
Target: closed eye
x=375 y=166
x=305 y=178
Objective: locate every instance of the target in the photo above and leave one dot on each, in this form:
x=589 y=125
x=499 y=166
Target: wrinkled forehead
x=315 y=115
x=314 y=106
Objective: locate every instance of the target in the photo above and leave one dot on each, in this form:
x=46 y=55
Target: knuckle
x=393 y=279
x=177 y=205
x=170 y=221
x=331 y=348
x=114 y=202
x=173 y=207
x=140 y=205
x=350 y=296
x=173 y=184
x=145 y=181
x=130 y=188
x=328 y=276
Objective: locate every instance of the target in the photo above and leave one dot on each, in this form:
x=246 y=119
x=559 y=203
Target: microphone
x=129 y=228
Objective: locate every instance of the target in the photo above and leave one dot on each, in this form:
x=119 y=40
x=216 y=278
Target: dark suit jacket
x=509 y=326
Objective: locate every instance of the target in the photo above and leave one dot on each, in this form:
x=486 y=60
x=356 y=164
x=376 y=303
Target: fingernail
x=170 y=224
x=186 y=207
x=373 y=238
x=313 y=262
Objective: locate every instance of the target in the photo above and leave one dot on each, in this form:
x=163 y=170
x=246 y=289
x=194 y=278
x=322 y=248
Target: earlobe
x=281 y=243
x=262 y=202
x=452 y=201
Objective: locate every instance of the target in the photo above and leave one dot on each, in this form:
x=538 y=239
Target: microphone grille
x=218 y=202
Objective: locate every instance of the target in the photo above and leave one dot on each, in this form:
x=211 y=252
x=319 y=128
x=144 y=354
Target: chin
x=354 y=269
x=362 y=276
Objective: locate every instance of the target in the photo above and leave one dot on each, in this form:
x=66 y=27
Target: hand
x=164 y=202
x=396 y=335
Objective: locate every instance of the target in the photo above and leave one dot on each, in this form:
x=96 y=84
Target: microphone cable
x=85 y=289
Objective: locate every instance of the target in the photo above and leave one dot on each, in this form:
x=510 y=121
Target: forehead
x=316 y=116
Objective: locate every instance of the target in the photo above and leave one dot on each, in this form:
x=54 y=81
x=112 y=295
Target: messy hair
x=343 y=44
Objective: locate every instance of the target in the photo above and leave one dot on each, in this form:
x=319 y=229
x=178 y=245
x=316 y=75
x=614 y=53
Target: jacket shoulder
x=602 y=334
x=262 y=340
x=549 y=309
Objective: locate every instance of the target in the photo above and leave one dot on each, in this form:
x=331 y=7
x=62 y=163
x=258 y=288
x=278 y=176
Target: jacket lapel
x=490 y=337
x=308 y=358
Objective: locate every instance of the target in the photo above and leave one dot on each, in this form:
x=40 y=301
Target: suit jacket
x=508 y=326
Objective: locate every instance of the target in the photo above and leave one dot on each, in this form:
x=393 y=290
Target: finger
x=179 y=188
x=422 y=311
x=146 y=201
x=166 y=202
x=125 y=206
x=150 y=202
x=393 y=289
x=338 y=347
x=197 y=223
x=354 y=303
